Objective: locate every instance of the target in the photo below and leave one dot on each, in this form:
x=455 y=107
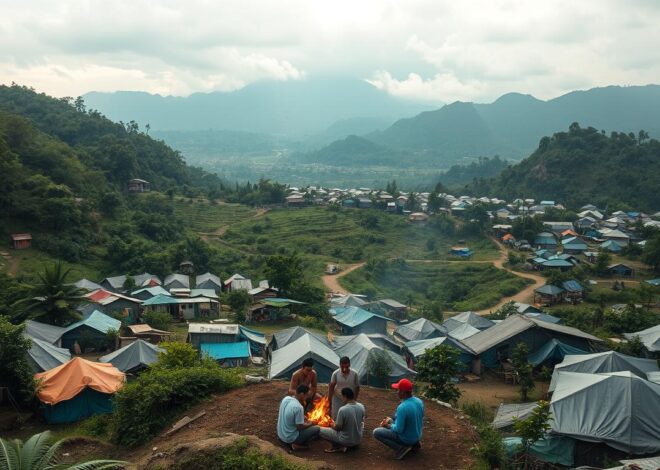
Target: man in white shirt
x=341 y=378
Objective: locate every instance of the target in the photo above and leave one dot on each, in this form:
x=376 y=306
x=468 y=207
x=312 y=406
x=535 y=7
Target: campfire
x=321 y=413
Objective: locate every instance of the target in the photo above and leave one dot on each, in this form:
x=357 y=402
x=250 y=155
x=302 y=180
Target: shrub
x=144 y=407
x=490 y=448
x=379 y=367
x=158 y=320
x=15 y=371
x=178 y=355
x=477 y=411
x=438 y=367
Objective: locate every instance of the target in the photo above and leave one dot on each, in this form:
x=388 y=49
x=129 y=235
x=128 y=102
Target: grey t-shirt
x=350 y=421
x=350 y=380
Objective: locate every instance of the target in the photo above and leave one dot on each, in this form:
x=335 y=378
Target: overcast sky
x=427 y=50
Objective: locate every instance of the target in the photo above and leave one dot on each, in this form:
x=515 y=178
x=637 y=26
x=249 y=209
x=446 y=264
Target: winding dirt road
x=331 y=281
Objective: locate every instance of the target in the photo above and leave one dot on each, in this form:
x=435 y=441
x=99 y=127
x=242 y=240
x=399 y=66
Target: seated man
x=306 y=375
x=403 y=432
x=292 y=429
x=348 y=428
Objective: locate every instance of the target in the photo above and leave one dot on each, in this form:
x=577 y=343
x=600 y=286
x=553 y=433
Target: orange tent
x=569 y=232
x=68 y=380
x=508 y=237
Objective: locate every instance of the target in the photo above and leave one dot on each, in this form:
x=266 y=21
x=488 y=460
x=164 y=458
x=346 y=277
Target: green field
x=346 y=235
x=203 y=216
x=28 y=262
x=450 y=286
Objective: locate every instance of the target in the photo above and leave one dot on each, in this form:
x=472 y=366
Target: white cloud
x=439 y=50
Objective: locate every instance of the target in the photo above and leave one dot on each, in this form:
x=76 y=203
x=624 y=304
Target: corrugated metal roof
x=221 y=351
x=549 y=289
x=181 y=278
x=43 y=331
x=98 y=321
x=469 y=318
x=572 y=286
x=208 y=277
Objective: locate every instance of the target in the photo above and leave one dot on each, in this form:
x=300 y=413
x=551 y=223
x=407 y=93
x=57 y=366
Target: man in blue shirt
x=292 y=429
x=403 y=432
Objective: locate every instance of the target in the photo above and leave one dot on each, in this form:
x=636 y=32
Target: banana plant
x=41 y=453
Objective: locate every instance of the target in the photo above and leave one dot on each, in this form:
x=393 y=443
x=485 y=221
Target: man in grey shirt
x=341 y=378
x=349 y=425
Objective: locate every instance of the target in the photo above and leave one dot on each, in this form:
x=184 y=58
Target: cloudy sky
x=428 y=50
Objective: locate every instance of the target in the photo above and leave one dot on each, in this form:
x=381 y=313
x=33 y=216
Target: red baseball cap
x=404 y=385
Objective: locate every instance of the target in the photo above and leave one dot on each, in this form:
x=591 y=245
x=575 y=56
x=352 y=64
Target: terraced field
x=205 y=217
x=449 y=286
x=346 y=236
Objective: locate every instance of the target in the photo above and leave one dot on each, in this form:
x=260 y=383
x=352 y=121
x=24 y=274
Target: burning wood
x=321 y=413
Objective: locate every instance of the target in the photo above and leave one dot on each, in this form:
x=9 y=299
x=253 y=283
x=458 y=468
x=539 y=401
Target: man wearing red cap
x=403 y=432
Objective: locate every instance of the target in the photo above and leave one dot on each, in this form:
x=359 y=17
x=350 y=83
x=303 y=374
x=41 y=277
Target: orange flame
x=321 y=413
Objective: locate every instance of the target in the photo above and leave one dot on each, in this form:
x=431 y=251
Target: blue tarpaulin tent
x=233 y=354
x=552 y=353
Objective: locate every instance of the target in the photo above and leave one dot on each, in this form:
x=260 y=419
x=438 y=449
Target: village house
x=208 y=281
x=21 y=241
x=548 y=295
x=177 y=281
x=354 y=320
x=545 y=240
x=137 y=185
x=621 y=269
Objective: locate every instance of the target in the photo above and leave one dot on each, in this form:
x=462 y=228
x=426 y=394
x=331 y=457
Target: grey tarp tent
x=617 y=408
x=360 y=349
x=289 y=335
x=420 y=329
x=507 y=412
x=650 y=337
x=468 y=318
x=381 y=340
x=49 y=333
x=463 y=332
x=44 y=356
x=553 y=352
x=286 y=360
x=137 y=355
x=609 y=361
x=413 y=350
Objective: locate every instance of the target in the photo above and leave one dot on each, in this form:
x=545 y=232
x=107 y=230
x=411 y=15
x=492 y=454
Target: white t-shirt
x=291 y=414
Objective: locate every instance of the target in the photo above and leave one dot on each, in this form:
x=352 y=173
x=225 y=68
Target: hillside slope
x=584 y=166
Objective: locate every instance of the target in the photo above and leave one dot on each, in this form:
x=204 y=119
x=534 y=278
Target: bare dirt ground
x=331 y=281
x=253 y=410
x=492 y=391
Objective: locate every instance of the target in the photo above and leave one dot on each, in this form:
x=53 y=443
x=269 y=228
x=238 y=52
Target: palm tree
x=41 y=453
x=51 y=299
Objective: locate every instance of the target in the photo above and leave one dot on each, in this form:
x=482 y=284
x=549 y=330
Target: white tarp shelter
x=609 y=361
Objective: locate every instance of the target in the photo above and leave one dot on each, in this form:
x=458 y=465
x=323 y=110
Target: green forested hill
x=584 y=165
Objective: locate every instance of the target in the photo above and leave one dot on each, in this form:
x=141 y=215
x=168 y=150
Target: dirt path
x=331 y=281
x=220 y=231
x=252 y=410
x=526 y=295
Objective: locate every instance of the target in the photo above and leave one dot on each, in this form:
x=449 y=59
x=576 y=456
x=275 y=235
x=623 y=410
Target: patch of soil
x=253 y=410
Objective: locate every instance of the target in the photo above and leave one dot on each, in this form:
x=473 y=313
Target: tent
x=380 y=340
x=420 y=329
x=617 y=408
x=463 y=332
x=286 y=360
x=470 y=318
x=355 y=320
x=50 y=333
x=135 y=356
x=551 y=449
x=416 y=349
x=349 y=300
x=78 y=389
x=552 y=353
x=507 y=412
x=650 y=337
x=229 y=354
x=44 y=356
x=289 y=335
x=609 y=361
x=256 y=339
x=361 y=350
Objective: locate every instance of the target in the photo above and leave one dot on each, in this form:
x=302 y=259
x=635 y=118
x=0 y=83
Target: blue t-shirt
x=291 y=414
x=409 y=420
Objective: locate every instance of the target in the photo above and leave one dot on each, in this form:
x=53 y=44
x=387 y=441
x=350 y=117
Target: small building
x=147 y=333
x=261 y=293
x=177 y=281
x=137 y=185
x=574 y=292
x=419 y=217
x=91 y=332
x=237 y=282
x=354 y=320
x=146 y=293
x=618 y=236
x=548 y=295
x=393 y=308
x=555 y=263
x=611 y=245
x=545 y=240
x=295 y=200
x=199 y=333
x=364 y=203
x=116 y=283
x=621 y=269
x=573 y=245
x=114 y=304
x=208 y=281
x=184 y=308
x=21 y=241
x=462 y=251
